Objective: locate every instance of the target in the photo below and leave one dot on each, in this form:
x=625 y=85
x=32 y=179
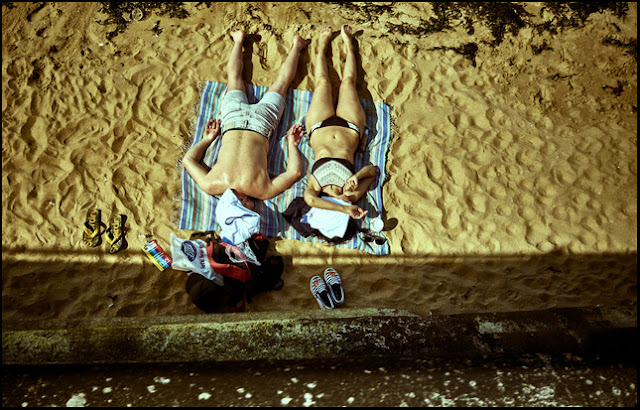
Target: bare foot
x=346 y=33
x=237 y=36
x=325 y=37
x=300 y=42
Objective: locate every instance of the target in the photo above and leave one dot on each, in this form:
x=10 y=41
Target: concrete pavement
x=359 y=357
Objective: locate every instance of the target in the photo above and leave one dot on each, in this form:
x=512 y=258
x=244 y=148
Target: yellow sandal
x=91 y=228
x=115 y=233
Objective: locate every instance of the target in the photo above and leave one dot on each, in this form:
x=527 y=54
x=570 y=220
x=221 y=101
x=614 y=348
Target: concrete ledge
x=340 y=333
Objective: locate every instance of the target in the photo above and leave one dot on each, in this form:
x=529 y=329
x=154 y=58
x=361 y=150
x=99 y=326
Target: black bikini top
x=334 y=121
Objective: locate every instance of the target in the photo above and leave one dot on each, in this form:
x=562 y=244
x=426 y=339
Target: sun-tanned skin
x=336 y=141
x=242 y=160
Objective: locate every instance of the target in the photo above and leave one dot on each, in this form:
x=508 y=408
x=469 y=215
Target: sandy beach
x=512 y=171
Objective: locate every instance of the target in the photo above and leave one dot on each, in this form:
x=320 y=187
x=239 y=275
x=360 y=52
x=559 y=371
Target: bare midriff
x=334 y=142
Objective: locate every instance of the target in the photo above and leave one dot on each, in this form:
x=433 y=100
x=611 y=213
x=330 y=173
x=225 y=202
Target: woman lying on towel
x=335 y=136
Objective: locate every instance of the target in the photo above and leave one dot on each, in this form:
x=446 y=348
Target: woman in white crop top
x=335 y=135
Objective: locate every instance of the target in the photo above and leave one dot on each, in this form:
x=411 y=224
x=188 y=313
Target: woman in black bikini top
x=334 y=135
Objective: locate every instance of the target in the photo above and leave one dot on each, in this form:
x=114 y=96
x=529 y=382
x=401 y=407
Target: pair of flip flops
x=328 y=291
x=92 y=230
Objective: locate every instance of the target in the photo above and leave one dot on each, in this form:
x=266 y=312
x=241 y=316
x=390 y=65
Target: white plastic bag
x=191 y=256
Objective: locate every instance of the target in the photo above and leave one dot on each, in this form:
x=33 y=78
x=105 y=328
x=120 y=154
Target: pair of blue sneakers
x=328 y=291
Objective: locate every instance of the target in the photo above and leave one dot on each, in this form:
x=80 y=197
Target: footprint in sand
x=460 y=120
x=446 y=130
x=34 y=133
x=434 y=162
x=476 y=203
x=456 y=171
x=451 y=218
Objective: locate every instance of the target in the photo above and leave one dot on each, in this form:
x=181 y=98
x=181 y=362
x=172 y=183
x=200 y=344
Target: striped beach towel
x=197 y=209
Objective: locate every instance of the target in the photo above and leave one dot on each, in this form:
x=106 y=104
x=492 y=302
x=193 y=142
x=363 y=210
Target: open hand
x=295 y=134
x=356 y=212
x=212 y=129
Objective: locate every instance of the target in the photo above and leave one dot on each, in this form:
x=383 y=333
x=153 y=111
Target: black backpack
x=242 y=280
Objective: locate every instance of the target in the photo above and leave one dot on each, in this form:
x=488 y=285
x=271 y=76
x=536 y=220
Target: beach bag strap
x=228 y=269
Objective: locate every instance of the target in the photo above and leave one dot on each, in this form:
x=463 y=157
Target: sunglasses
x=368 y=237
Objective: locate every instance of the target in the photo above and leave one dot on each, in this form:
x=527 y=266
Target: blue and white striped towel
x=197 y=209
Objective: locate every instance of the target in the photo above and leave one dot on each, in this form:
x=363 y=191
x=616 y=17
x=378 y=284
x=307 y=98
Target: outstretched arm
x=294 y=163
x=193 y=156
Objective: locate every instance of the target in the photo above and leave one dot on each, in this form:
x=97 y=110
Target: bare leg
x=234 y=66
x=349 y=106
x=321 y=71
x=321 y=106
x=289 y=67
